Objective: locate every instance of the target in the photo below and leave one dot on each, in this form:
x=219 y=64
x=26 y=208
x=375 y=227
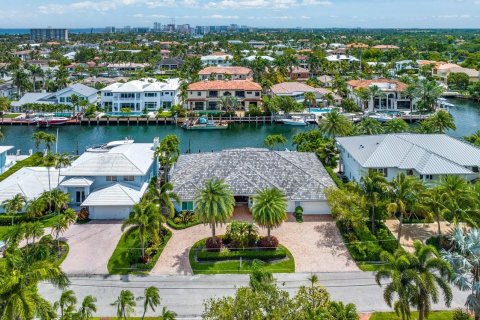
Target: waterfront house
x=391 y=96
x=138 y=95
x=110 y=183
x=300 y=175
x=443 y=70
x=30 y=182
x=226 y=73
x=173 y=63
x=3 y=157
x=427 y=156
x=341 y=57
x=297 y=91
x=62 y=96
x=206 y=95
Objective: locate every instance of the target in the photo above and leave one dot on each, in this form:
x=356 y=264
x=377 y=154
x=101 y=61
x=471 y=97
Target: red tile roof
x=224 y=85
x=225 y=70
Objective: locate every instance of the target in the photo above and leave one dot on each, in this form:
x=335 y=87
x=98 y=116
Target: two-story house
x=427 y=156
x=217 y=59
x=226 y=73
x=206 y=95
x=138 y=95
x=390 y=94
x=110 y=183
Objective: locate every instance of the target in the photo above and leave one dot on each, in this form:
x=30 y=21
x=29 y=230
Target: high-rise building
x=110 y=29
x=49 y=34
x=157 y=27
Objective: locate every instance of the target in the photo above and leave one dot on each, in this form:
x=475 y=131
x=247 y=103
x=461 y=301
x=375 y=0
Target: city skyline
x=255 y=13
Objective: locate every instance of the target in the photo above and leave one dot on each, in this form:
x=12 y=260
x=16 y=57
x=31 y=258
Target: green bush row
x=180 y=226
x=226 y=254
x=6 y=220
x=334 y=177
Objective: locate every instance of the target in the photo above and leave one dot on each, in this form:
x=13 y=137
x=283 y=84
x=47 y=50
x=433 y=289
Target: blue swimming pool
x=125 y=114
x=319 y=110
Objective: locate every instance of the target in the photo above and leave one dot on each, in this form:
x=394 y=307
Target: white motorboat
x=108 y=146
x=381 y=117
x=294 y=121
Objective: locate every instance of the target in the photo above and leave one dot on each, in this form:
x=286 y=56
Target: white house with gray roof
x=427 y=156
x=110 y=183
x=301 y=176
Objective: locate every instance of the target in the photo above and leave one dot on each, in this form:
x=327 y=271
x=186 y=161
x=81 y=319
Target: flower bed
x=249 y=253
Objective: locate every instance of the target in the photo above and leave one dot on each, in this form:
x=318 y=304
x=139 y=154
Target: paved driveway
x=315 y=244
x=91 y=245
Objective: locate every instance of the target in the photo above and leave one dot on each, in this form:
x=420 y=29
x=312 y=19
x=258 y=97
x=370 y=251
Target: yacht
x=108 y=146
x=294 y=121
x=204 y=124
x=381 y=117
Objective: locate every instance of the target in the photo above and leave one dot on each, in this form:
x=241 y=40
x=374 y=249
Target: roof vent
x=361 y=146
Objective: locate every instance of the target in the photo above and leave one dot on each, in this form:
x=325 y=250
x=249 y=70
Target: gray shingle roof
x=426 y=153
x=301 y=176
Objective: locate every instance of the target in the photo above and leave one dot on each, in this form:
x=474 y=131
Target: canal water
x=77 y=138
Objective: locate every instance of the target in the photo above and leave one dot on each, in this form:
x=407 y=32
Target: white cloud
x=452 y=16
x=249 y=4
x=101 y=6
x=219 y=16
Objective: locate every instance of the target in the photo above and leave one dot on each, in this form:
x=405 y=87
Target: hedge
x=35 y=160
x=6 y=220
x=253 y=253
x=334 y=177
x=181 y=226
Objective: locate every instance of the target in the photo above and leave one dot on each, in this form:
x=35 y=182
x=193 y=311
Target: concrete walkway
x=315 y=244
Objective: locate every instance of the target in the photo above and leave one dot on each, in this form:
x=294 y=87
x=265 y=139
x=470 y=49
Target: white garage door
x=315 y=207
x=109 y=212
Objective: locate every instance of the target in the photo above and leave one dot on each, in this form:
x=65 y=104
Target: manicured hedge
x=36 y=160
x=181 y=226
x=6 y=220
x=225 y=254
x=334 y=177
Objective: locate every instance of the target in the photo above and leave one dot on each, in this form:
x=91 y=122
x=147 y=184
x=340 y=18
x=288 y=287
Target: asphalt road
x=185 y=294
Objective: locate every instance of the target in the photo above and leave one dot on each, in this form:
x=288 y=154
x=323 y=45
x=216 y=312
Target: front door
x=79 y=196
x=241 y=199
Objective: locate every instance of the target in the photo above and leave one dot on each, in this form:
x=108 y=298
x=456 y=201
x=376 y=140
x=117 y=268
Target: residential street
x=185 y=294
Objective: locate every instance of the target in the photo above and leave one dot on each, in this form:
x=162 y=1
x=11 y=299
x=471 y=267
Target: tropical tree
x=369 y=126
x=151 y=300
x=4 y=106
x=14 y=205
x=396 y=125
x=434 y=201
x=33 y=230
x=19 y=297
x=403 y=193
x=164 y=197
x=144 y=219
x=464 y=258
x=66 y=303
x=214 y=204
x=228 y=103
x=125 y=304
x=49 y=140
x=458 y=199
x=440 y=122
x=340 y=311
x=274 y=139
x=269 y=209
x=62 y=224
x=335 y=124
x=62 y=160
x=167 y=314
x=427 y=93
x=167 y=152
x=373 y=186
x=88 y=307
x=14 y=235
x=310 y=99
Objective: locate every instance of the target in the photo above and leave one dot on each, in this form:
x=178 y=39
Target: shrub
x=177 y=220
x=241 y=234
x=461 y=314
x=83 y=215
x=299 y=214
x=386 y=240
x=271 y=243
x=213 y=245
x=334 y=177
x=186 y=216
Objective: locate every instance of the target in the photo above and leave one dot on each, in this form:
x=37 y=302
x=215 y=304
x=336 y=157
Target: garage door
x=315 y=207
x=109 y=212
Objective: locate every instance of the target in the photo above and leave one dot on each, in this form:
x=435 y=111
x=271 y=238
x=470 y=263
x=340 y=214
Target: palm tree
x=14 y=205
x=62 y=224
x=19 y=290
x=66 y=303
x=125 y=304
x=61 y=77
x=144 y=219
x=151 y=299
x=335 y=124
x=49 y=162
x=431 y=272
x=403 y=192
x=5 y=104
x=440 y=122
x=269 y=209
x=427 y=92
x=375 y=92
x=434 y=202
x=342 y=311
x=62 y=160
x=49 y=140
x=87 y=309
x=364 y=95
x=311 y=99
x=15 y=234
x=373 y=186
x=464 y=258
x=167 y=314
x=33 y=230
x=396 y=125
x=457 y=198
x=164 y=197
x=38 y=138
x=214 y=204
x=167 y=153
x=369 y=126
x=20 y=80
x=274 y=139
x=228 y=103
x=35 y=71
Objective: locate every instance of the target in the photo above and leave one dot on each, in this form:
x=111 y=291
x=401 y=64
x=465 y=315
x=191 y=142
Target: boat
x=204 y=124
x=108 y=146
x=381 y=117
x=294 y=121
x=50 y=121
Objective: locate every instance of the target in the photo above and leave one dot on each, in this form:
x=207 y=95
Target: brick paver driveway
x=315 y=244
x=91 y=246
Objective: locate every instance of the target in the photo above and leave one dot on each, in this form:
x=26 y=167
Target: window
x=187 y=206
x=213 y=94
x=151 y=105
x=150 y=94
x=257 y=94
x=111 y=178
x=240 y=94
x=199 y=93
x=409 y=172
x=249 y=92
x=383 y=171
x=128 y=178
x=62 y=99
x=127 y=95
x=475 y=169
x=107 y=94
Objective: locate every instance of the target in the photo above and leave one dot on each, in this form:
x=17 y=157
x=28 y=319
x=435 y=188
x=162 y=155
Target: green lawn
x=3 y=231
x=434 y=315
x=123 y=259
x=36 y=160
x=11 y=115
x=164 y=114
x=237 y=266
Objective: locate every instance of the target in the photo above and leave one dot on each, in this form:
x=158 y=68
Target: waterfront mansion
x=208 y=95
x=138 y=95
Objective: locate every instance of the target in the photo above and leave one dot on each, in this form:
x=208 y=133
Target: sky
x=257 y=13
